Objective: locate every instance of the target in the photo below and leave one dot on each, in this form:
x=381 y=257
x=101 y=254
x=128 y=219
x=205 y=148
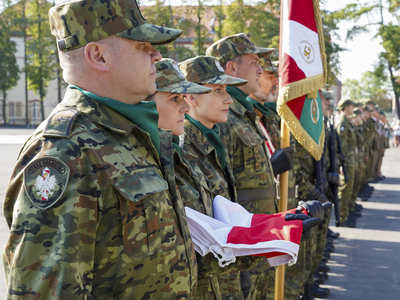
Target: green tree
x=9 y=71
x=40 y=48
x=165 y=15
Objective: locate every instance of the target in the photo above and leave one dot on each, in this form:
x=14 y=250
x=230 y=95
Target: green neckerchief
x=175 y=144
x=143 y=114
x=271 y=105
x=240 y=96
x=263 y=109
x=212 y=136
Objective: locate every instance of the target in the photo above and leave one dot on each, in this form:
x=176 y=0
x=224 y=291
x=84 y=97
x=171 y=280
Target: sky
x=362 y=51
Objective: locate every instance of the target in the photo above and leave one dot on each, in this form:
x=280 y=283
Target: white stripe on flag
x=296 y=38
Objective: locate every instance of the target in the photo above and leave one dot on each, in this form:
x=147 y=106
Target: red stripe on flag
x=302 y=11
x=267 y=228
x=290 y=71
x=296 y=106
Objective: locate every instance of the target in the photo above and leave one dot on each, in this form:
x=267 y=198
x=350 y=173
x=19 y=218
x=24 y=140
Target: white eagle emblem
x=45 y=184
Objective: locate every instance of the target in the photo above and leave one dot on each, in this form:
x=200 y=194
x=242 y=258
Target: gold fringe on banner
x=300 y=134
x=300 y=88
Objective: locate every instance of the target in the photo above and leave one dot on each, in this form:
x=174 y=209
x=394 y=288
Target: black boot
x=318 y=292
x=306 y=294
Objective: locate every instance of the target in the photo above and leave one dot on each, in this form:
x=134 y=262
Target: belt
x=256 y=194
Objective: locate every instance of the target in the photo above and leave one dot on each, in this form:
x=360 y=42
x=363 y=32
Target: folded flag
x=235 y=232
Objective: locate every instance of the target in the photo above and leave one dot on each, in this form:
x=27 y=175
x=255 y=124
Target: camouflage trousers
x=346 y=192
x=262 y=277
x=321 y=234
x=229 y=285
x=261 y=274
x=295 y=277
x=208 y=289
x=358 y=180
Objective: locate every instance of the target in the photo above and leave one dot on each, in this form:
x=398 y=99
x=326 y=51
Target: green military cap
x=207 y=69
x=357 y=111
x=367 y=101
x=327 y=95
x=77 y=23
x=382 y=113
x=267 y=65
x=171 y=79
x=355 y=103
x=233 y=46
x=344 y=102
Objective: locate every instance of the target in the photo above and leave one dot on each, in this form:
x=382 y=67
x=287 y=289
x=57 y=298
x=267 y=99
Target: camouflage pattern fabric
x=77 y=23
x=171 y=79
x=118 y=231
x=361 y=164
x=346 y=132
x=207 y=69
x=230 y=47
x=369 y=148
x=197 y=150
x=267 y=65
x=252 y=170
x=295 y=274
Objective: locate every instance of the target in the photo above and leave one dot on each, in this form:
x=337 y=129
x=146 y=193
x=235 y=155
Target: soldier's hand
x=317 y=195
x=313 y=207
x=282 y=160
x=308 y=223
x=333 y=178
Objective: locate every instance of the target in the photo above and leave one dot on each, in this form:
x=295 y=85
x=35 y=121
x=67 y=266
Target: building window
x=11 y=112
x=18 y=109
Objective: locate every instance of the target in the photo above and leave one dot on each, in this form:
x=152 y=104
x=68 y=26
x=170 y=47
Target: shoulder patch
x=45 y=180
x=60 y=123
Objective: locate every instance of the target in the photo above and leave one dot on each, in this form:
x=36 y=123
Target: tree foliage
x=9 y=71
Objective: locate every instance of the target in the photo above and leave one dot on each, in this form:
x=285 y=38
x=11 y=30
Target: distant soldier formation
x=96 y=202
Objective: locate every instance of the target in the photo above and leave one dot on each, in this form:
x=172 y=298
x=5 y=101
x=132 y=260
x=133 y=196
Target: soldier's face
x=172 y=109
x=212 y=108
x=248 y=67
x=267 y=84
x=134 y=67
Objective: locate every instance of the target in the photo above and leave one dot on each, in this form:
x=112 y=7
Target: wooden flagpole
x=284 y=181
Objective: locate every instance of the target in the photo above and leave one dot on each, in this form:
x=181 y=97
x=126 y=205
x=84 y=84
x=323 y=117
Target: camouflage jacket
x=251 y=166
x=369 y=135
x=198 y=152
x=272 y=124
x=346 y=131
x=220 y=181
x=114 y=229
x=359 y=130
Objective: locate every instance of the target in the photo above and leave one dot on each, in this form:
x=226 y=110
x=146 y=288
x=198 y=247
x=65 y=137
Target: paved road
x=365 y=264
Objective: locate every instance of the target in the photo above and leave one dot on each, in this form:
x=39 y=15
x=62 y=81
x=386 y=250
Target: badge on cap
x=219 y=67
x=177 y=70
x=45 y=180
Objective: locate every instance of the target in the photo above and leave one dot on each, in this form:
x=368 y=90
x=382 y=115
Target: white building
x=15 y=100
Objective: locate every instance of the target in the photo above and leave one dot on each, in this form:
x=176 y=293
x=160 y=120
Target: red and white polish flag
x=235 y=232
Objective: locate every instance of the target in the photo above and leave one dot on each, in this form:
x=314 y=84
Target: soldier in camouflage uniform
x=346 y=131
x=207 y=140
x=256 y=188
x=361 y=157
x=295 y=275
x=92 y=204
x=197 y=186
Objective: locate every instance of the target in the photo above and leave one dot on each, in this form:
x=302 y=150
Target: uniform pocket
x=253 y=156
x=148 y=217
